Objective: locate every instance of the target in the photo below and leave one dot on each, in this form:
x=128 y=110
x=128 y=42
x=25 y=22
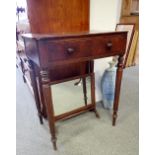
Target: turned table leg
x=35 y=90
x=117 y=88
x=92 y=77
x=84 y=90
x=43 y=109
x=47 y=92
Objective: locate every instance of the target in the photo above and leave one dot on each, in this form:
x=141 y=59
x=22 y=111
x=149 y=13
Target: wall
x=104 y=14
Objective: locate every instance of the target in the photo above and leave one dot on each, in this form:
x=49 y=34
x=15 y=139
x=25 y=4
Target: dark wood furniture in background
x=47 y=52
x=58 y=16
x=130 y=15
x=21 y=58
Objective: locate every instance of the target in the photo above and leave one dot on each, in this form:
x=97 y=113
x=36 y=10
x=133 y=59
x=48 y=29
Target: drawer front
x=85 y=48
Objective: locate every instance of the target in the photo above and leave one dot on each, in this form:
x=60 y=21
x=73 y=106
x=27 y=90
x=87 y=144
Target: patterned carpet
x=84 y=134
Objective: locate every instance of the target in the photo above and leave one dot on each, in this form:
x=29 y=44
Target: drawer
x=86 y=47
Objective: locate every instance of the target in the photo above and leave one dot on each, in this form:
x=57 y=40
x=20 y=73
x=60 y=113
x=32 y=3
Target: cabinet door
x=130 y=7
x=126 y=7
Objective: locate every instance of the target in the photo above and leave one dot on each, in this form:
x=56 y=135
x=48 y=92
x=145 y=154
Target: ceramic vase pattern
x=108 y=87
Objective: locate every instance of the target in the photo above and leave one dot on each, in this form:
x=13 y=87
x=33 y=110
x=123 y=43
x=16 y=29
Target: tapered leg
x=117 y=88
x=92 y=77
x=35 y=90
x=47 y=92
x=84 y=90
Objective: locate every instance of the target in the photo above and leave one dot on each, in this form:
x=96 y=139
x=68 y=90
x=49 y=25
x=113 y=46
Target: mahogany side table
x=48 y=52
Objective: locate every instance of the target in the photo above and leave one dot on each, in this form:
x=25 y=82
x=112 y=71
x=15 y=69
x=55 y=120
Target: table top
x=68 y=35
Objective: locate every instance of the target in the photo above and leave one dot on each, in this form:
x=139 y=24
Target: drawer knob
x=109 y=45
x=70 y=50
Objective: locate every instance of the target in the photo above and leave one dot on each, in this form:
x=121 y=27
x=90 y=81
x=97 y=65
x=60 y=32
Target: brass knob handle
x=109 y=45
x=70 y=50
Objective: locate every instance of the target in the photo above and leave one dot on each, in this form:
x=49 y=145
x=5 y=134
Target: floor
x=84 y=134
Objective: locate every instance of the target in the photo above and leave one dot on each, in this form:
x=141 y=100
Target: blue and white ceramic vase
x=108 y=85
